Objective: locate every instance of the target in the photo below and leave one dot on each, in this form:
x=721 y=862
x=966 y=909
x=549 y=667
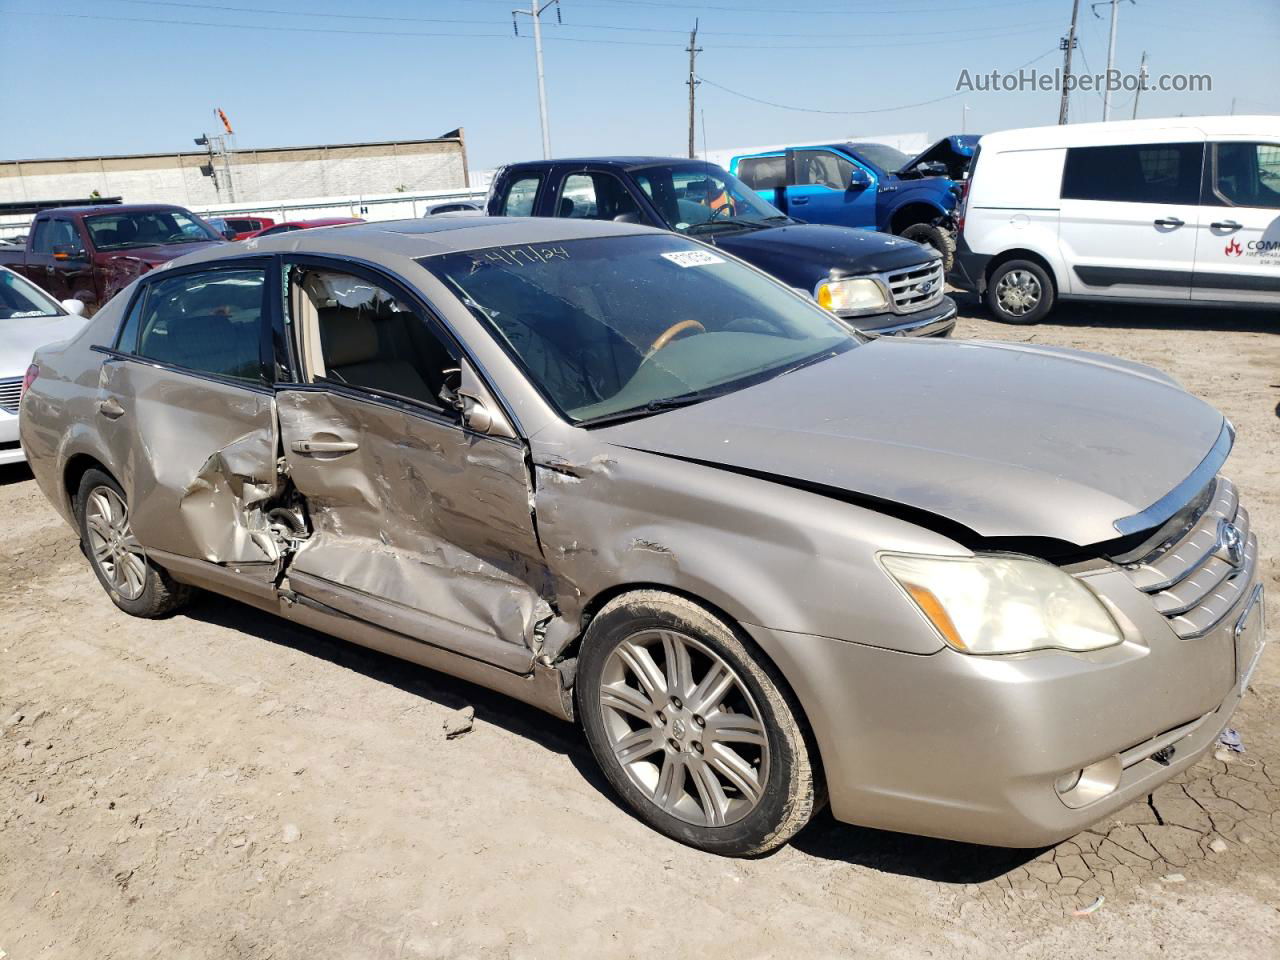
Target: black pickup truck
x=880 y=284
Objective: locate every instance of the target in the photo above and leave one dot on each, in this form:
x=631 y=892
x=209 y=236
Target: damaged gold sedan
x=987 y=592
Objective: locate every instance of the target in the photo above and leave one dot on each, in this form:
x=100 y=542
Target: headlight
x=857 y=295
x=1002 y=604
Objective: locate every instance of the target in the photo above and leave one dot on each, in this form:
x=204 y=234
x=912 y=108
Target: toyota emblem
x=1230 y=541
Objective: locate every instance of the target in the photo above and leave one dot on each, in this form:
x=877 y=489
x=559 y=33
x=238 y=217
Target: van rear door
x=1129 y=217
x=1238 y=254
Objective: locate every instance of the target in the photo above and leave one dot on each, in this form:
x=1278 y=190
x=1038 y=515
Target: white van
x=1181 y=210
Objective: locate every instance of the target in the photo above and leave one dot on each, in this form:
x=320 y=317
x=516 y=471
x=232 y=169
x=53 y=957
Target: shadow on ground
x=14 y=473
x=939 y=860
x=1136 y=316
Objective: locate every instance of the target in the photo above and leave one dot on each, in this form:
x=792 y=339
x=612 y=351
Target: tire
x=1019 y=291
x=932 y=235
x=134 y=584
x=753 y=785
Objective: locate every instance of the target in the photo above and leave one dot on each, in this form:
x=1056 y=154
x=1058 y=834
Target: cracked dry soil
x=225 y=785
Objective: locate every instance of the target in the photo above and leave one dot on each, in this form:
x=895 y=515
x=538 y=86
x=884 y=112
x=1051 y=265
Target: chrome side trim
x=1173 y=501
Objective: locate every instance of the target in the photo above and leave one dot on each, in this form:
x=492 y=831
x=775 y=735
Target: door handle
x=110 y=409
x=1225 y=225
x=1170 y=222
x=324 y=446
x=799 y=200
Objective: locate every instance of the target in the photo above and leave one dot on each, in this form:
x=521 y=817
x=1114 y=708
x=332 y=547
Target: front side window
x=608 y=325
x=360 y=334
x=20 y=298
x=822 y=168
x=1167 y=173
x=702 y=198
x=1248 y=174
x=208 y=322
x=521 y=193
x=596 y=196
x=63 y=234
x=153 y=228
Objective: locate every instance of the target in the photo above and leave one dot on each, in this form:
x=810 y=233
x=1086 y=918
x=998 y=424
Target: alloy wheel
x=1018 y=292
x=112 y=545
x=684 y=727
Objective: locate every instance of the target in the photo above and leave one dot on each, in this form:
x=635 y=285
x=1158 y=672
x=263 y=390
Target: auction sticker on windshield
x=693 y=258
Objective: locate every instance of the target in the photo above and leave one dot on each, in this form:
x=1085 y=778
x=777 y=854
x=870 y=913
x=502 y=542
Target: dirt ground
x=225 y=785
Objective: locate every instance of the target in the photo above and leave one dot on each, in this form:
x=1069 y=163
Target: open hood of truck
x=1011 y=443
x=953 y=152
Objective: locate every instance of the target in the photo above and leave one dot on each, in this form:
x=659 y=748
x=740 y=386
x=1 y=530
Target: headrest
x=347 y=337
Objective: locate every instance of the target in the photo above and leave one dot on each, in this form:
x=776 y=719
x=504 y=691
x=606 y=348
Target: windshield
x=701 y=197
x=633 y=324
x=886 y=158
x=19 y=298
x=154 y=228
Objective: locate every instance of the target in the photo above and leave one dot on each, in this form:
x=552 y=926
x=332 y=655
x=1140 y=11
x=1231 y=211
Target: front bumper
x=969 y=748
x=936 y=321
x=969 y=269
x=10 y=450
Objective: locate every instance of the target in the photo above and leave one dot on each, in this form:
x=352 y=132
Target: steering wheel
x=671 y=333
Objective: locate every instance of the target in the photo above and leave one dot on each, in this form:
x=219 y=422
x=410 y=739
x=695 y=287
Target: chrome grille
x=1193 y=581
x=10 y=390
x=905 y=286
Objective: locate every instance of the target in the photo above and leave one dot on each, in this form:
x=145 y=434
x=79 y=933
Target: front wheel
x=1019 y=291
x=932 y=235
x=693 y=728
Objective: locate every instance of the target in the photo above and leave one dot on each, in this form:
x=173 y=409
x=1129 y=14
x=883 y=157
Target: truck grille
x=917 y=288
x=10 y=391
x=1197 y=580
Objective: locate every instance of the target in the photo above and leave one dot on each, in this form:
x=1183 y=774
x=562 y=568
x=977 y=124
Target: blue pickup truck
x=883 y=286
x=866 y=185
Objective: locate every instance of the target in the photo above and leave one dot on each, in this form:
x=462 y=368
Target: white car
x=1180 y=210
x=29 y=319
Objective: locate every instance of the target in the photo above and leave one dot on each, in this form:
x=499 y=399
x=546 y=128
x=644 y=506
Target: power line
x=853 y=113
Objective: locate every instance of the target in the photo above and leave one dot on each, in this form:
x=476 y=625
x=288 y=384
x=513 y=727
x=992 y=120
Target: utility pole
x=1111 y=53
x=693 y=51
x=536 y=12
x=1068 y=45
x=1142 y=82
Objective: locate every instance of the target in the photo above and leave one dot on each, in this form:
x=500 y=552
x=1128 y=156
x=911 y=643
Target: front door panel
x=818 y=190
x=408 y=509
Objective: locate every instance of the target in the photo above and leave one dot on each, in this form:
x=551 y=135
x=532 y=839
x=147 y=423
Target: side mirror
x=63 y=252
x=228 y=233
x=480 y=411
x=859 y=180
x=74 y=307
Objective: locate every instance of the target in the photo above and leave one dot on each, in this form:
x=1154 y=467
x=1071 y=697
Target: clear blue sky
x=87 y=77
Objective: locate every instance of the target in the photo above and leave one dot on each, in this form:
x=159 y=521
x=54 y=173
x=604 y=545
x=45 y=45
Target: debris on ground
x=290 y=833
x=1230 y=739
x=1091 y=908
x=1174 y=878
x=1217 y=845
x=459 y=722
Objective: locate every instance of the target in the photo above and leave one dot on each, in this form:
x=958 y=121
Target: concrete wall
x=257 y=175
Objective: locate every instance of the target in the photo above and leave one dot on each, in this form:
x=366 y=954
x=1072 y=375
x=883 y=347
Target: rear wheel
x=692 y=726
x=134 y=584
x=1019 y=291
x=932 y=235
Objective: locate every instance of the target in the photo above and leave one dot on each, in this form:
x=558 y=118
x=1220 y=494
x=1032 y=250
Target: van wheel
x=932 y=235
x=134 y=584
x=1019 y=291
x=692 y=726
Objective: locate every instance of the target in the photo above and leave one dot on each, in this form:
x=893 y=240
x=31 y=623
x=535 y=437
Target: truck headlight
x=855 y=295
x=1004 y=604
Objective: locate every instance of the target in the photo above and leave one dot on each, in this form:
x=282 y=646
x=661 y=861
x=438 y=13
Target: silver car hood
x=1007 y=441
x=20 y=337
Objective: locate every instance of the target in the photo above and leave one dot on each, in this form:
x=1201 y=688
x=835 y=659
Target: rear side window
x=763 y=173
x=1137 y=173
x=1248 y=174
x=521 y=193
x=595 y=196
x=208 y=322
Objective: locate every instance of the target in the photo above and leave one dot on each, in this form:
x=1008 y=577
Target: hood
x=1010 y=442
x=953 y=152
x=162 y=253
x=801 y=254
x=23 y=336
